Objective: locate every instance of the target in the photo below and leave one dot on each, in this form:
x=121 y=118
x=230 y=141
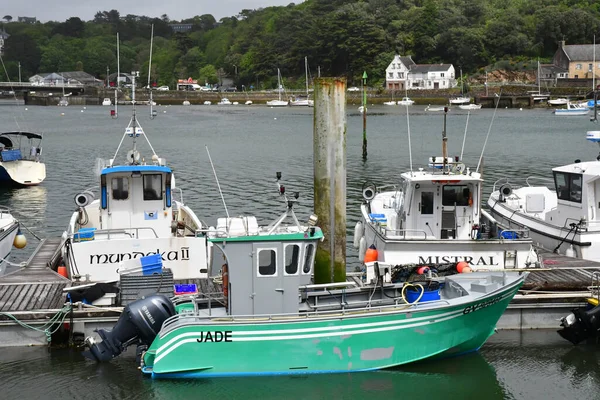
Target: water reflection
x=63 y=374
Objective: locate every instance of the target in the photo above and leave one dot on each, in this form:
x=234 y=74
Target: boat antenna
x=444 y=143
x=465 y=136
x=489 y=130
x=152 y=111
x=217 y=179
x=116 y=113
x=409 y=146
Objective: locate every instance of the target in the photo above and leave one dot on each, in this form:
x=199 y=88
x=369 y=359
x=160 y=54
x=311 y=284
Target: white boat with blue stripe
x=136 y=215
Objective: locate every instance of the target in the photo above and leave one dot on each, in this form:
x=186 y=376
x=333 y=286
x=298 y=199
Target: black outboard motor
x=581 y=325
x=140 y=322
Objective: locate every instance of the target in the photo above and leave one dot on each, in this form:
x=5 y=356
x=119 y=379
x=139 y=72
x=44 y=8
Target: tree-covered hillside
x=341 y=37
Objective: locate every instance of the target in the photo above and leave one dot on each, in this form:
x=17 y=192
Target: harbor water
x=248 y=145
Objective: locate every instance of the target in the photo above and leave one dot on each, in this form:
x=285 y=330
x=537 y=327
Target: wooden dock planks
x=35 y=286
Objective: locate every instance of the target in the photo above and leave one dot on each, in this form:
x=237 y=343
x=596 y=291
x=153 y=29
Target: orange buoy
x=62 y=270
x=422 y=270
x=371 y=254
x=461 y=265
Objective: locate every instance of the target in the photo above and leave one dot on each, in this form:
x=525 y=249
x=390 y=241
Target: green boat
x=271 y=319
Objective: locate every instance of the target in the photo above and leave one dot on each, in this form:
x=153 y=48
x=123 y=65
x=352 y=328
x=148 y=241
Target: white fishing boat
x=224 y=102
x=562 y=213
x=278 y=102
x=361 y=109
x=248 y=102
x=186 y=103
x=434 y=217
x=136 y=215
x=106 y=102
x=561 y=101
x=573 y=109
x=9 y=228
x=389 y=103
x=470 y=106
x=207 y=103
x=20 y=159
x=63 y=102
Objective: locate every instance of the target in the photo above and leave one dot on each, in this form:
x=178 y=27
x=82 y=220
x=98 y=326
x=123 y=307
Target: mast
x=594 y=67
x=118 y=78
x=152 y=115
x=306 y=73
x=445 y=142
x=134 y=74
x=279 y=83
x=462 y=92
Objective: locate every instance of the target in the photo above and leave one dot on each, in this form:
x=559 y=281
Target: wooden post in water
x=364 y=114
x=329 y=141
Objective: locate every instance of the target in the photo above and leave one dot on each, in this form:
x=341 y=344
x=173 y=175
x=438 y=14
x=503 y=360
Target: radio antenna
x=217 y=179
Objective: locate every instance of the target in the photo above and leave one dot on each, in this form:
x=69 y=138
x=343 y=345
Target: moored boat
x=106 y=102
x=561 y=213
x=561 y=101
x=573 y=109
x=434 y=216
x=9 y=228
x=136 y=215
x=470 y=106
x=20 y=158
x=271 y=320
x=406 y=101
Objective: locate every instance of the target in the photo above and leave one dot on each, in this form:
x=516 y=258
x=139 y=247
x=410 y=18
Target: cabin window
x=292 y=258
x=267 y=262
x=153 y=187
x=455 y=195
x=308 y=258
x=426 y=202
x=568 y=186
x=120 y=188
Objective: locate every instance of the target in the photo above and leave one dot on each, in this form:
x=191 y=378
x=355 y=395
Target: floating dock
x=34 y=295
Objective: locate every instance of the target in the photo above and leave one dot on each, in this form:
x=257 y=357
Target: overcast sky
x=60 y=10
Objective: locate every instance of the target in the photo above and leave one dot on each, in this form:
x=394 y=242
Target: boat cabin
x=442 y=203
x=137 y=197
x=12 y=147
x=281 y=264
x=577 y=194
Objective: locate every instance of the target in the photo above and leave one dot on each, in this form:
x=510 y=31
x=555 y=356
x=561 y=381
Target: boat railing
x=329 y=310
x=76 y=236
x=4 y=212
x=403 y=233
x=177 y=189
x=522 y=182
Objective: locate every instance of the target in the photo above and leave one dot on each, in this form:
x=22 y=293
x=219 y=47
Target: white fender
x=362 y=249
x=358 y=234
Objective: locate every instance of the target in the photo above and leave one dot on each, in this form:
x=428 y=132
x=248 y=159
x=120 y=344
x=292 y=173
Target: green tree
x=208 y=74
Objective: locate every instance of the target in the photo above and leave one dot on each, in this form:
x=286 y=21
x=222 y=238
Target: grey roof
x=551 y=68
x=80 y=76
x=424 y=68
x=581 y=52
x=407 y=61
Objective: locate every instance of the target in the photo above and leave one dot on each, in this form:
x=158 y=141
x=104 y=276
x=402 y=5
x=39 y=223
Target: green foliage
x=342 y=37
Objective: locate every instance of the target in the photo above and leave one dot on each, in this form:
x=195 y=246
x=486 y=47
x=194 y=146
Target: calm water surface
x=248 y=145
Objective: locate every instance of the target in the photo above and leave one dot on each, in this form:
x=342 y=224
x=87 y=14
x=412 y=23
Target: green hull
x=348 y=342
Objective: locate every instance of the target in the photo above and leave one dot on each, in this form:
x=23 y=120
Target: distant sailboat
x=278 y=102
x=462 y=99
x=304 y=101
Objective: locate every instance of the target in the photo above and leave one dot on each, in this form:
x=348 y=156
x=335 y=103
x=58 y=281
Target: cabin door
x=426 y=212
x=267 y=285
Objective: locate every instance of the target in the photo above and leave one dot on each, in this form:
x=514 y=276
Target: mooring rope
x=57 y=319
x=21 y=264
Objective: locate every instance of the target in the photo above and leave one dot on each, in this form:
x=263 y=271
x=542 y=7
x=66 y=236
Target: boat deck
x=34 y=286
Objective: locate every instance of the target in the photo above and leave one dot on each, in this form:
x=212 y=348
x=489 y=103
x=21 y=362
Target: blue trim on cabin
x=168 y=196
x=136 y=168
x=103 y=198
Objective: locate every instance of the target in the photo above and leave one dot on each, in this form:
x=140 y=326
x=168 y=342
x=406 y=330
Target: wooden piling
x=329 y=141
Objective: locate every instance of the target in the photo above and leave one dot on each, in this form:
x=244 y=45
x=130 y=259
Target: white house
x=432 y=76
x=396 y=72
x=403 y=73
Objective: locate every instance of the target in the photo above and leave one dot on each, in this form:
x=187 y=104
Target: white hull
x=436 y=109
x=470 y=106
x=558 y=102
x=23 y=172
x=277 y=103
x=545 y=234
x=480 y=254
x=460 y=100
x=8 y=231
x=389 y=103
x=302 y=103
x=571 y=112
x=106 y=102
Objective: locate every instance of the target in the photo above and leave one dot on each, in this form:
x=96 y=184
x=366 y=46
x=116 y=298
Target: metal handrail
x=4 y=210
x=108 y=232
x=518 y=182
x=403 y=232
